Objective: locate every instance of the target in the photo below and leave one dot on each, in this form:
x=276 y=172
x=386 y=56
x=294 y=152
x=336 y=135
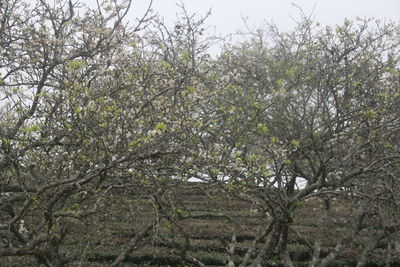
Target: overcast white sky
x=227 y=14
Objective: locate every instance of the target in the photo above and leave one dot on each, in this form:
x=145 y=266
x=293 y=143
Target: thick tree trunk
x=284 y=254
x=269 y=245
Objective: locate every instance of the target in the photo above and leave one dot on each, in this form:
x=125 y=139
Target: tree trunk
x=388 y=259
x=321 y=234
x=269 y=245
x=284 y=254
x=251 y=250
x=357 y=226
x=373 y=242
x=132 y=245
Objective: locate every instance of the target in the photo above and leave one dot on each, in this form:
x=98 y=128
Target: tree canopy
x=92 y=104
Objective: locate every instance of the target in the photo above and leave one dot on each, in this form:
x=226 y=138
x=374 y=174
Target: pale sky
x=227 y=14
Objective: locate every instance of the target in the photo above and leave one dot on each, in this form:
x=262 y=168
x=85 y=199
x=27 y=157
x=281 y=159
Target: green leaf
x=263 y=129
x=295 y=143
x=185 y=56
x=75 y=65
x=133 y=143
x=161 y=126
x=274 y=140
x=32 y=128
x=370 y=114
x=190 y=89
x=6 y=142
x=279 y=82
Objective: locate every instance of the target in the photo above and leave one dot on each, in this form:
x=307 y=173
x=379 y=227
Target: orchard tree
x=92 y=106
x=305 y=115
x=88 y=104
